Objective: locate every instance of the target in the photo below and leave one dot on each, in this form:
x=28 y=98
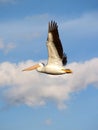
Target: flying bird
x=56 y=57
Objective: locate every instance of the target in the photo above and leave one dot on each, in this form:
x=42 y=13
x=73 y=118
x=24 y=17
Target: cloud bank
x=35 y=89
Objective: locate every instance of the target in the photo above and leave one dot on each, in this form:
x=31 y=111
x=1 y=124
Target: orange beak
x=31 y=68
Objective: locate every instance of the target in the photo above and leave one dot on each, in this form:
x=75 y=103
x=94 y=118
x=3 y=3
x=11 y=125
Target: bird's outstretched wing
x=55 y=49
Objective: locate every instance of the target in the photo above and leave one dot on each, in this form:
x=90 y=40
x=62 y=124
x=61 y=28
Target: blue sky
x=37 y=101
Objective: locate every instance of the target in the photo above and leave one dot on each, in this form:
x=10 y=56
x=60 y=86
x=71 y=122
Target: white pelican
x=56 y=57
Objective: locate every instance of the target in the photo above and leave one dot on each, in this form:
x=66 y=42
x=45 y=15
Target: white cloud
x=29 y=28
x=9 y=47
x=24 y=29
x=6 y=47
x=35 y=89
x=37 y=18
x=1 y=44
x=84 y=26
x=48 y=122
x=32 y=88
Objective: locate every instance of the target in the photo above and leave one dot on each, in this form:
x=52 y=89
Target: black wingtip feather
x=52 y=26
x=64 y=60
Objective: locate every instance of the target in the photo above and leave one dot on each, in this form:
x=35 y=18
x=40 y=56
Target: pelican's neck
x=41 y=68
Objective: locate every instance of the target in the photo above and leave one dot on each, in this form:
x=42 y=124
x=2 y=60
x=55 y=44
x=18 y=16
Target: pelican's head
x=34 y=67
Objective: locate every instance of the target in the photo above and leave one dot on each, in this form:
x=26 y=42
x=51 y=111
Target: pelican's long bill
x=31 y=68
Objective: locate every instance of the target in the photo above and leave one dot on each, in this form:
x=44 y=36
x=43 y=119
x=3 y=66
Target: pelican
x=56 y=57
